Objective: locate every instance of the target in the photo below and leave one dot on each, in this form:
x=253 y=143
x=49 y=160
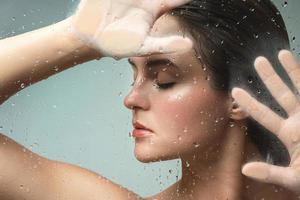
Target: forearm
x=28 y=58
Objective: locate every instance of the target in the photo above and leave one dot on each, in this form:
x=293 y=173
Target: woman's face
x=185 y=114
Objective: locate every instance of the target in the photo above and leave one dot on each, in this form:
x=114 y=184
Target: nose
x=138 y=97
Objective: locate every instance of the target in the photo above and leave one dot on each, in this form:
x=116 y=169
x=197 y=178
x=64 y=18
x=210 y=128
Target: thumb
x=167 y=5
x=165 y=45
x=267 y=173
x=175 y=3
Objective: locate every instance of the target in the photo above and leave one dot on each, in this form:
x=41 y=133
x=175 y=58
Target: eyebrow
x=155 y=62
x=130 y=62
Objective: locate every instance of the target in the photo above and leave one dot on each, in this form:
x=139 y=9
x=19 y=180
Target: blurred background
x=77 y=116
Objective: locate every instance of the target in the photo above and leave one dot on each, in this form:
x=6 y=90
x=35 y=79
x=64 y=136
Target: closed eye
x=165 y=86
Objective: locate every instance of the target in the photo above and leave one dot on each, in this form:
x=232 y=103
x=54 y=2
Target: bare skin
x=212 y=163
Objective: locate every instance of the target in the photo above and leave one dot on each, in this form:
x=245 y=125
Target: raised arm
x=114 y=28
x=98 y=28
x=28 y=58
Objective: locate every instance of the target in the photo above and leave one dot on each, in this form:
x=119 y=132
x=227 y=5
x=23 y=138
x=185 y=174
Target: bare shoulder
x=75 y=182
x=169 y=193
x=27 y=175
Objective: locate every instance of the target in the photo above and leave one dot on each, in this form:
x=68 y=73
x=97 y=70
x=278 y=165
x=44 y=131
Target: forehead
x=164 y=26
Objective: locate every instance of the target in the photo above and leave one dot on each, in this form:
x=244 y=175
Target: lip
x=140 y=133
x=138 y=125
x=141 y=130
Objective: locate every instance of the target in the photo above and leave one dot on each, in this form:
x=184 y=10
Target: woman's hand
x=120 y=28
x=287 y=130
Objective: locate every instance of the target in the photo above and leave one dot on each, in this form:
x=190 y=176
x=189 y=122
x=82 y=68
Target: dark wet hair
x=230 y=34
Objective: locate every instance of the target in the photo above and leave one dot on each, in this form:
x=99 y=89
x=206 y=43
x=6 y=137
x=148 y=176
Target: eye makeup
x=162 y=71
x=153 y=63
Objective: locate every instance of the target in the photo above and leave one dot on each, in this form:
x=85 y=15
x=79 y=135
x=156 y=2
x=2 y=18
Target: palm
x=287 y=130
x=120 y=28
x=290 y=132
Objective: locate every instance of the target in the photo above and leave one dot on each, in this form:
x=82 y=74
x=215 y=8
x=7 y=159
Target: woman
x=182 y=104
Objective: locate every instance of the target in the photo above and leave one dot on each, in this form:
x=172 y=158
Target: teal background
x=78 y=116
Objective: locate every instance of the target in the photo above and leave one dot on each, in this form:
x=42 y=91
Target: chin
x=147 y=154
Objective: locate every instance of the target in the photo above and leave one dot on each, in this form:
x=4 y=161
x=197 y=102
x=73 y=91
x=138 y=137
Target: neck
x=217 y=171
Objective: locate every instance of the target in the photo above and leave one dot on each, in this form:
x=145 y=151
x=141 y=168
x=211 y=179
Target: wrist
x=79 y=47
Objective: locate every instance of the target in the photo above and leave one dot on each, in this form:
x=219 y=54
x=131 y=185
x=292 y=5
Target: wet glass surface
x=78 y=116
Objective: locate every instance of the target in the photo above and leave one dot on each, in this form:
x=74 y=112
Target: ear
x=236 y=112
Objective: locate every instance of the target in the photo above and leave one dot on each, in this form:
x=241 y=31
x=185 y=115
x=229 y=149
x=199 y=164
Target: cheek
x=188 y=116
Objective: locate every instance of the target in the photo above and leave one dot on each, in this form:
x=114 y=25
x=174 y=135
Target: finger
x=261 y=113
x=170 y=44
x=267 y=173
x=283 y=95
x=88 y=17
x=174 y=3
x=167 y=5
x=291 y=66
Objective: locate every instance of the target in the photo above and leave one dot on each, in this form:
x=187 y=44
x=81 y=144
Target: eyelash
x=162 y=86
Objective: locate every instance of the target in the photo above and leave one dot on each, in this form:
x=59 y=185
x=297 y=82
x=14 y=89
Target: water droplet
x=187 y=164
x=179 y=97
x=284 y=4
x=195 y=81
x=160 y=49
x=179 y=137
x=185 y=130
x=196 y=145
x=244 y=128
x=55 y=68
